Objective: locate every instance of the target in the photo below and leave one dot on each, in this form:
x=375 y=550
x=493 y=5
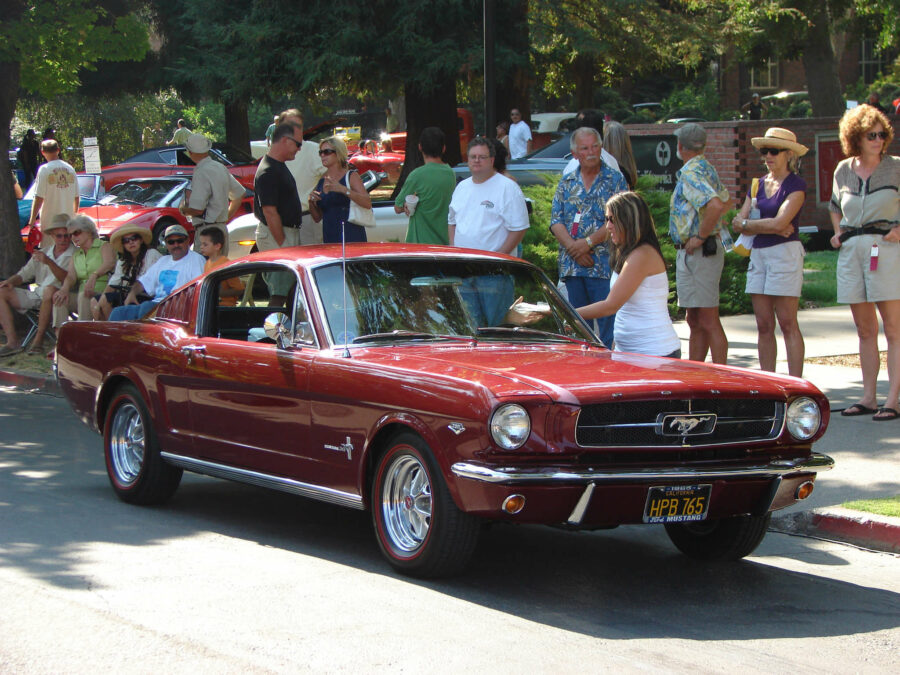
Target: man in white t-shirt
x=57 y=187
x=164 y=276
x=487 y=211
x=519 y=135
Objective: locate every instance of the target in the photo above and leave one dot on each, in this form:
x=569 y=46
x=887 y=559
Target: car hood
x=111 y=216
x=576 y=375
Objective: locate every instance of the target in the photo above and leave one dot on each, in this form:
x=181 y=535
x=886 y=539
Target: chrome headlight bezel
x=803 y=418
x=510 y=426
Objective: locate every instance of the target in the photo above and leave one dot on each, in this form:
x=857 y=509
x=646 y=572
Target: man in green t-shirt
x=433 y=183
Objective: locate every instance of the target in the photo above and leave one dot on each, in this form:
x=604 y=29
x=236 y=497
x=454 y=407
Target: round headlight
x=510 y=426
x=803 y=417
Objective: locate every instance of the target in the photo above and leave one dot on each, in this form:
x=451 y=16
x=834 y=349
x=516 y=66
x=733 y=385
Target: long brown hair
x=631 y=215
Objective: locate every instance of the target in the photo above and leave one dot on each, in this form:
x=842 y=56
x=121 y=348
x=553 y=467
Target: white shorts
x=776 y=270
x=856 y=283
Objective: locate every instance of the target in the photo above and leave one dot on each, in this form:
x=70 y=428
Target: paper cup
x=412 y=201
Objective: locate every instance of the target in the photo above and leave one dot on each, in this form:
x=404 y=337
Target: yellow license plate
x=677 y=503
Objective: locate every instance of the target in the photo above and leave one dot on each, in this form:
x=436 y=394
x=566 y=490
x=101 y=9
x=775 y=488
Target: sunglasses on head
x=769 y=151
x=172 y=241
x=324 y=152
x=872 y=135
x=130 y=239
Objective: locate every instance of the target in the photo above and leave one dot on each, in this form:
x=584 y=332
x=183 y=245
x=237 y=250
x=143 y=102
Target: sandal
x=885 y=414
x=858 y=409
x=9 y=351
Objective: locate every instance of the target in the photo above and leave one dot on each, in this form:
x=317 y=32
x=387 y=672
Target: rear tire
x=136 y=471
x=159 y=230
x=723 y=539
x=418 y=526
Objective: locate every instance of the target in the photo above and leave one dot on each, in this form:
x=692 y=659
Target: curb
x=879 y=533
x=23 y=380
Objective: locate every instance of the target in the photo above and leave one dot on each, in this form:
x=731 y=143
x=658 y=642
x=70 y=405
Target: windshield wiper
x=410 y=335
x=521 y=330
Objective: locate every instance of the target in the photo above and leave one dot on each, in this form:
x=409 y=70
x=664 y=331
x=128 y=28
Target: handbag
x=361 y=216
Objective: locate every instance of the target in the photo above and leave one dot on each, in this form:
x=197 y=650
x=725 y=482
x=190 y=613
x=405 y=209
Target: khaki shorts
x=27 y=299
x=279 y=283
x=856 y=283
x=776 y=270
x=697 y=277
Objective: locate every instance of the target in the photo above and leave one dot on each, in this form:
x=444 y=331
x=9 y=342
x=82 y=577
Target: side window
x=237 y=303
x=168 y=157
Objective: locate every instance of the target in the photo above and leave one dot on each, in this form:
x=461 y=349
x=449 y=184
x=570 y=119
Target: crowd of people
x=609 y=258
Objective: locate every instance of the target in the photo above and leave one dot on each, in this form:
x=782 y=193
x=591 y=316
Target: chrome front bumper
x=557 y=475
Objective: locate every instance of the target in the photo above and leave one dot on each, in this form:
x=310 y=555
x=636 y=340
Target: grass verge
x=819 y=280
x=889 y=506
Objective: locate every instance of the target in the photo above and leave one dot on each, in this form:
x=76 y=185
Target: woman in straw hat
x=132 y=243
x=865 y=214
x=775 y=275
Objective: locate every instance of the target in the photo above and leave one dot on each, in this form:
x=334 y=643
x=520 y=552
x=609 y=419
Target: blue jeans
x=586 y=290
x=131 y=312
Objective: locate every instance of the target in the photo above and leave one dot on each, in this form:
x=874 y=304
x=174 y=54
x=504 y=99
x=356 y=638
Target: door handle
x=192 y=350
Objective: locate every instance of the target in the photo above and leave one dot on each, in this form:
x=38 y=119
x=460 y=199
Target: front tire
x=723 y=539
x=418 y=526
x=136 y=471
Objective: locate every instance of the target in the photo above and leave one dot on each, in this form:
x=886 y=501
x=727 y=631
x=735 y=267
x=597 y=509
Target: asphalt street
x=230 y=578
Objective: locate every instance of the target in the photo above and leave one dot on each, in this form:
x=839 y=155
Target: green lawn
x=889 y=506
x=819 y=279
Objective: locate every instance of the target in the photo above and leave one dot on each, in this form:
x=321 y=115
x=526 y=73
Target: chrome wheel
x=127 y=443
x=406 y=503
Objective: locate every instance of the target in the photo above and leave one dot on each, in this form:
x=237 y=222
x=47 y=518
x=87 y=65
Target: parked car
x=551 y=122
x=90 y=190
x=529 y=170
x=173 y=160
x=389 y=225
x=147 y=202
x=411 y=382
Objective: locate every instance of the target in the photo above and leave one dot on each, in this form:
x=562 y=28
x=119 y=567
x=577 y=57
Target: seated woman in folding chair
x=89 y=268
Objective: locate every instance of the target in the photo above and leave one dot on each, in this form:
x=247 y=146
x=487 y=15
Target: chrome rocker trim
x=555 y=475
x=318 y=492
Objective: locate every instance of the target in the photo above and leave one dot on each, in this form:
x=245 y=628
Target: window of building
x=765 y=76
x=872 y=60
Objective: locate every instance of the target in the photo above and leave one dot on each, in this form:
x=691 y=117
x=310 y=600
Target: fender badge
x=456 y=427
x=343 y=447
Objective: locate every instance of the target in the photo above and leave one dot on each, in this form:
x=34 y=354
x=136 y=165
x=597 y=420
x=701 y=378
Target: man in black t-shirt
x=276 y=204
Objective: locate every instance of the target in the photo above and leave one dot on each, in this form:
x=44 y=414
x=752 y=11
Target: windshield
x=440 y=299
x=232 y=154
x=145 y=192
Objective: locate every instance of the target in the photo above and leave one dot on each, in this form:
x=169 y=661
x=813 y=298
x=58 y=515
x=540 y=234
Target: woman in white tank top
x=639 y=288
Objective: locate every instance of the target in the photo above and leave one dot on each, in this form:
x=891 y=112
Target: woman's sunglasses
x=325 y=152
x=769 y=151
x=132 y=239
x=872 y=135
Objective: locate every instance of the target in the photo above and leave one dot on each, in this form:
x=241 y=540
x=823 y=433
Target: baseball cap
x=692 y=136
x=174 y=229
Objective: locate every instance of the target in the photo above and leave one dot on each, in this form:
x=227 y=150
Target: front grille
x=639 y=423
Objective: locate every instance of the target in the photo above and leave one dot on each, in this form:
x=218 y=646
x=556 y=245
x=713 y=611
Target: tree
x=43 y=47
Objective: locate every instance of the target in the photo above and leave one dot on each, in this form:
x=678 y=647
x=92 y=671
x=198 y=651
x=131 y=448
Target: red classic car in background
x=372 y=156
x=146 y=202
x=438 y=388
x=173 y=160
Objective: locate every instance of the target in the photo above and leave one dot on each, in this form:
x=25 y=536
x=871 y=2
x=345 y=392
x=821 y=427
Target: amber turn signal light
x=513 y=504
x=804 y=490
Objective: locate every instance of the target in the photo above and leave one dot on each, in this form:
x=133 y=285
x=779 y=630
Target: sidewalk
x=866 y=453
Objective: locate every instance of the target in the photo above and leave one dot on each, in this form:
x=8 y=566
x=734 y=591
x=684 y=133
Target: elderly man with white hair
x=578 y=219
x=215 y=194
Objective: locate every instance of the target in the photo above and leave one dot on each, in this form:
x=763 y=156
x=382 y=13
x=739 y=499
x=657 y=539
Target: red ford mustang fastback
x=412 y=381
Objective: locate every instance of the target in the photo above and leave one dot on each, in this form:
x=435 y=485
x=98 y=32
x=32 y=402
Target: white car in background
x=389 y=225
x=550 y=122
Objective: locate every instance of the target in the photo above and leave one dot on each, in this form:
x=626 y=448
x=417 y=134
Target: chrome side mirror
x=277 y=328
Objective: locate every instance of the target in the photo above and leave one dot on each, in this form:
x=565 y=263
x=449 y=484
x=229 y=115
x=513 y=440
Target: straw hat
x=776 y=137
x=60 y=222
x=116 y=237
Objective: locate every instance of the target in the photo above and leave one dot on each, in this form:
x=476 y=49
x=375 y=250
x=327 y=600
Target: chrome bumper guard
x=556 y=475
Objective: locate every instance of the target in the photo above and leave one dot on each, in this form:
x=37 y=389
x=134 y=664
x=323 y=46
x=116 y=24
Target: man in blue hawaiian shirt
x=698 y=202
x=577 y=220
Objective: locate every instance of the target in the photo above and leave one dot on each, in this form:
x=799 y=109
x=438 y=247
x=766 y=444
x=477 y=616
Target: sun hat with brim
x=776 y=137
x=59 y=222
x=198 y=143
x=116 y=237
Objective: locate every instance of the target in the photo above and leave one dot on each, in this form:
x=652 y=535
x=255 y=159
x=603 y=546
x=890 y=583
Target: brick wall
x=737 y=161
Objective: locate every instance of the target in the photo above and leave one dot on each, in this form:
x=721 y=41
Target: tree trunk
x=237 y=125
x=436 y=108
x=820 y=63
x=583 y=71
x=12 y=252
x=513 y=85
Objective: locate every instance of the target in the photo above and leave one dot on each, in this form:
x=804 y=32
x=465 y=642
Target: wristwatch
x=744 y=223
x=589 y=243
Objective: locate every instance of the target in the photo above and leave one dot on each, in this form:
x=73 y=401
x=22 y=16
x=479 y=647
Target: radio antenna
x=346 y=353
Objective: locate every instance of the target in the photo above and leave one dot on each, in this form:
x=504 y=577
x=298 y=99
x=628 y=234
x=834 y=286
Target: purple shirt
x=768 y=208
